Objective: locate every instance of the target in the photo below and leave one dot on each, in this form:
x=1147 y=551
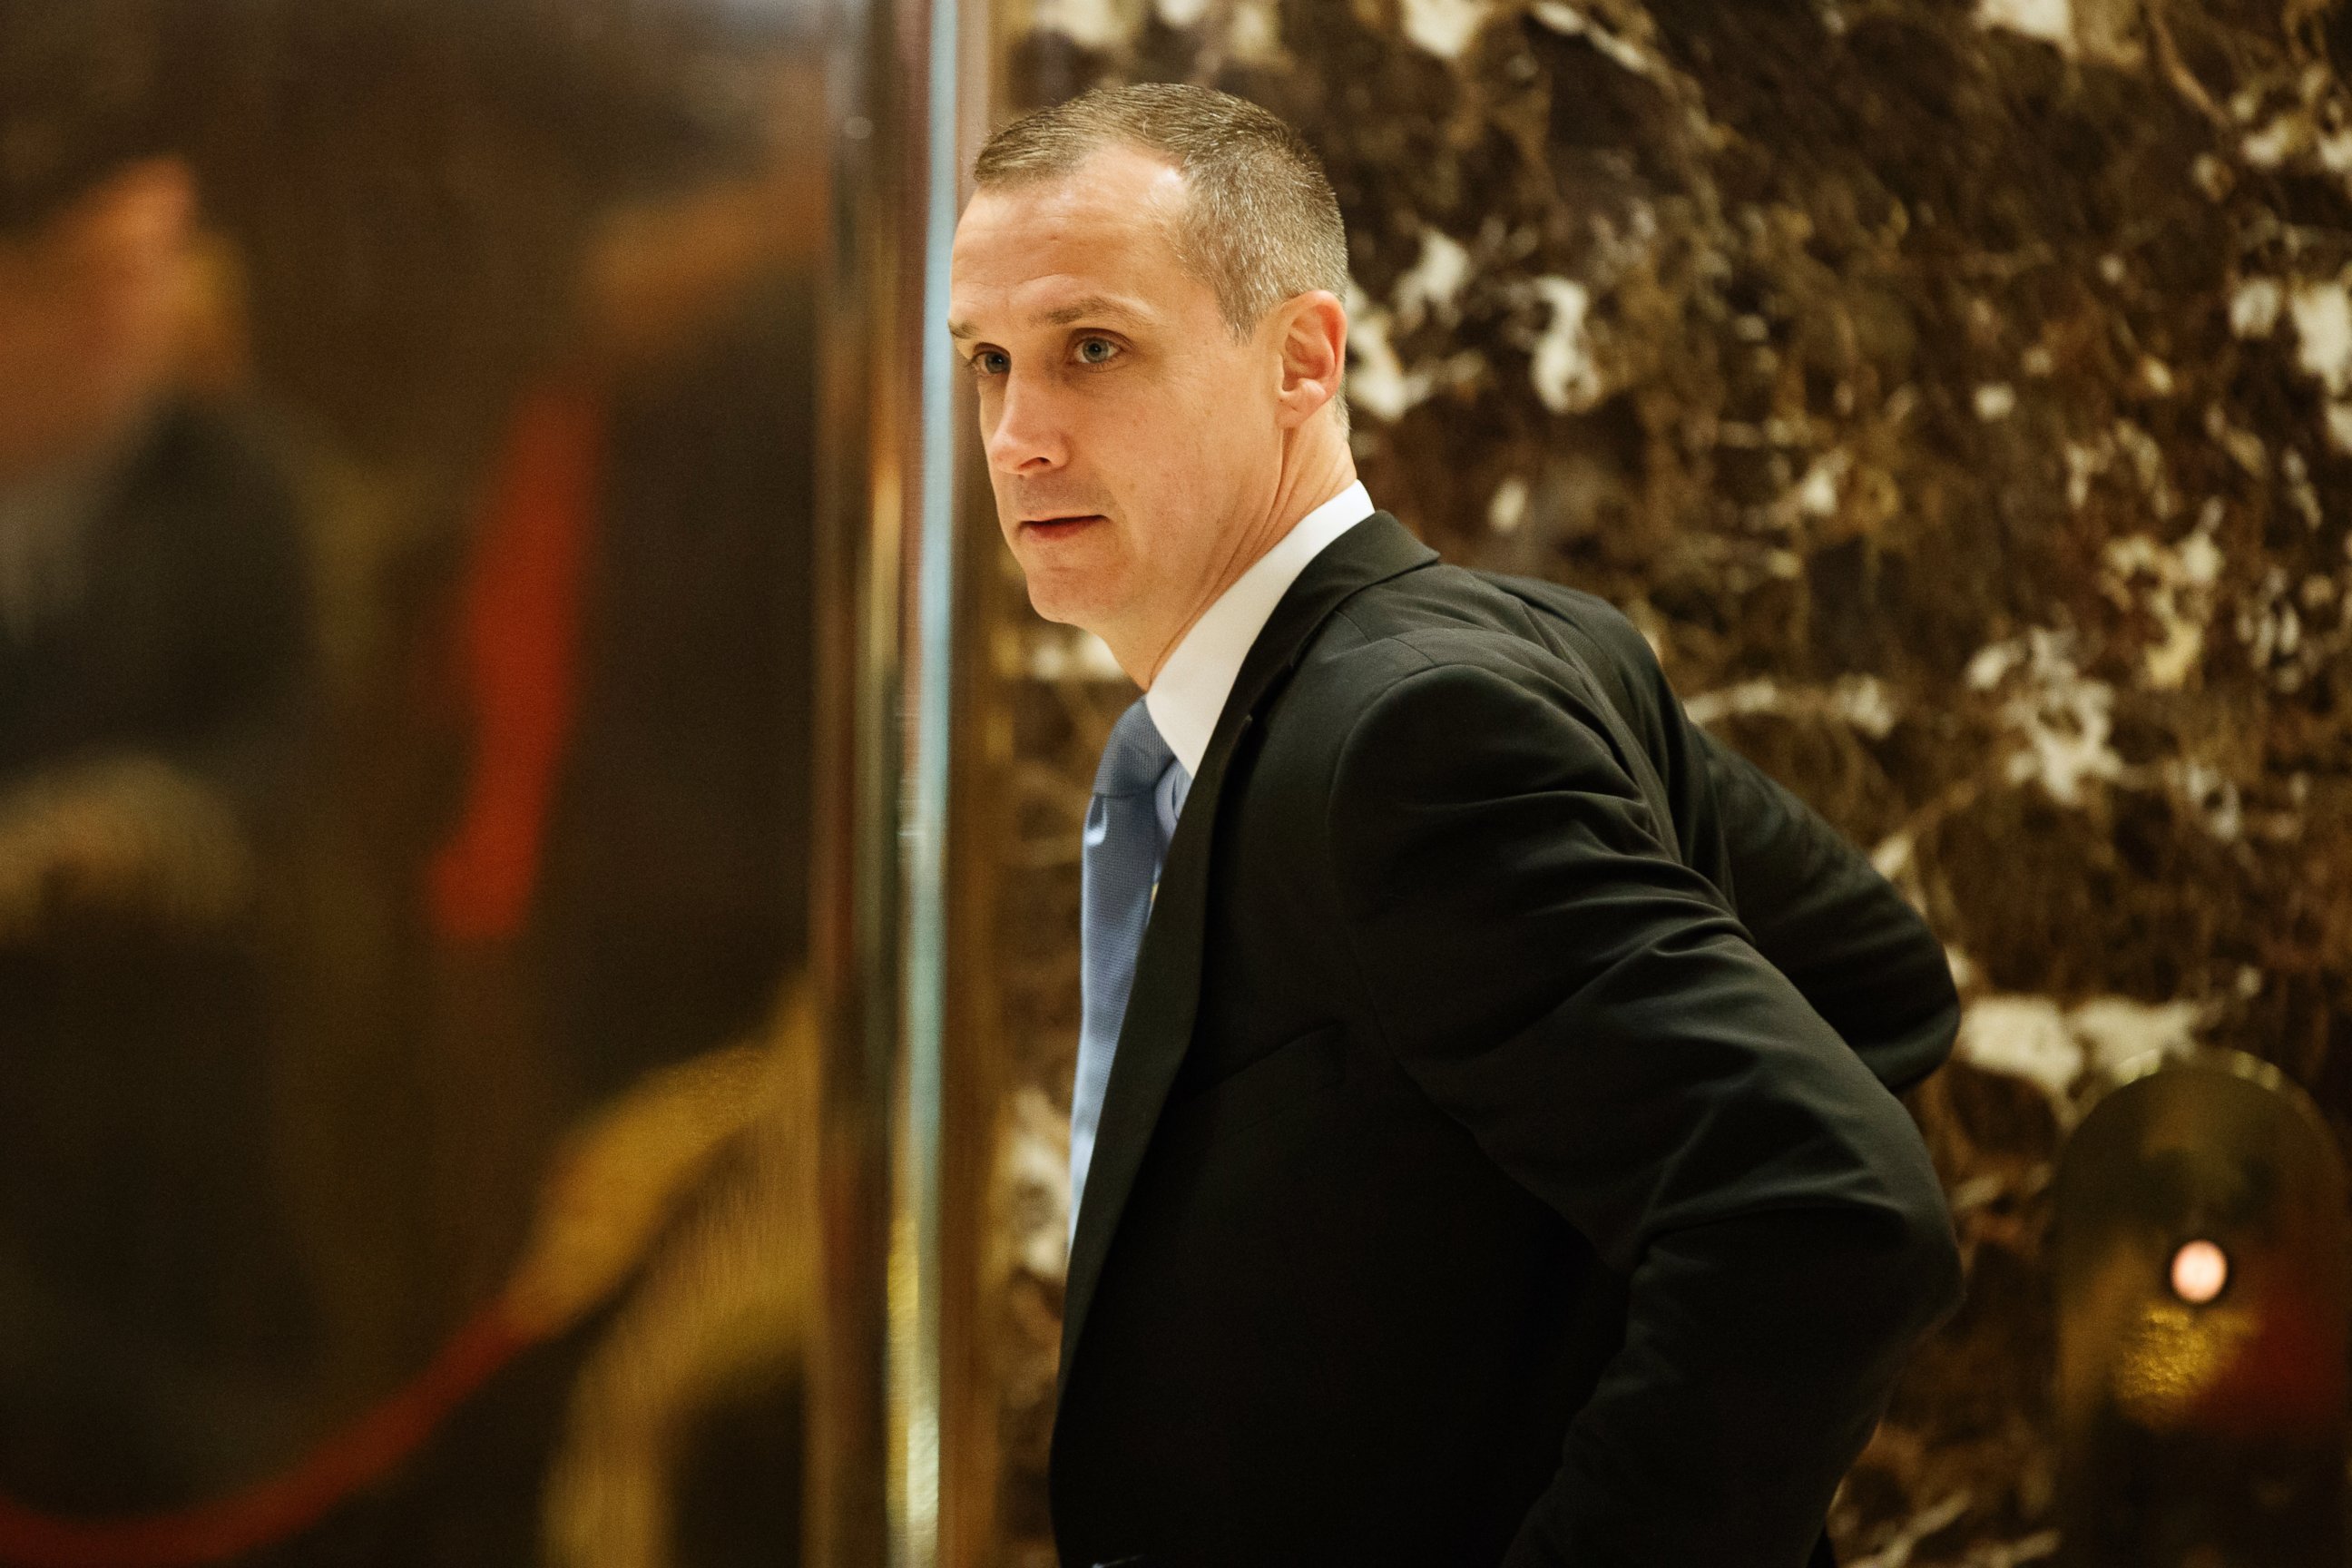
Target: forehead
x=1104 y=229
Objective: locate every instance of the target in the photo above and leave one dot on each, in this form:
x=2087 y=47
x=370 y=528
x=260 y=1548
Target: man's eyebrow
x=1095 y=305
x=1092 y=305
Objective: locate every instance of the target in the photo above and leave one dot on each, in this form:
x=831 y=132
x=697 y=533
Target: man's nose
x=1028 y=436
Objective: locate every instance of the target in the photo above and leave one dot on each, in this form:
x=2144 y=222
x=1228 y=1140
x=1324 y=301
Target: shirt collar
x=1187 y=698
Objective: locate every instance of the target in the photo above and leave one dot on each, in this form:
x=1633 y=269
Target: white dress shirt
x=1184 y=703
x=1192 y=688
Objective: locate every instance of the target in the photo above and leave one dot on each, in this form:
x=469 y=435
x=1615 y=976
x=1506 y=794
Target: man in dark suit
x=157 y=674
x=1484 y=1143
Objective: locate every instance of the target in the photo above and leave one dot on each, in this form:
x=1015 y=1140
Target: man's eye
x=989 y=362
x=1096 y=351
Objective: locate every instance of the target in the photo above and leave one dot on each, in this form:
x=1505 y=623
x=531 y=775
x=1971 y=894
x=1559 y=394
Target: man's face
x=91 y=306
x=1132 y=442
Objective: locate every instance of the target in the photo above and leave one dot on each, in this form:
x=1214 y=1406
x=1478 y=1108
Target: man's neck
x=1301 y=492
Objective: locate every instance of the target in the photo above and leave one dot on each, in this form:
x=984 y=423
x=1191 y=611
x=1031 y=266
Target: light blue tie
x=1139 y=791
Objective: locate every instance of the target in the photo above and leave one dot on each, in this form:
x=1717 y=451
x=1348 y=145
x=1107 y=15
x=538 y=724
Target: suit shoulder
x=1440 y=619
x=1514 y=626
x=1603 y=624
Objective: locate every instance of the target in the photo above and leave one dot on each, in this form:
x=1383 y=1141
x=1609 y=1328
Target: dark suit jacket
x=192 y=641
x=1499 y=1163
x=154 y=1324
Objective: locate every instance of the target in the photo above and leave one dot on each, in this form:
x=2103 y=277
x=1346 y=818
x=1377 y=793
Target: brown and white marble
x=1961 y=400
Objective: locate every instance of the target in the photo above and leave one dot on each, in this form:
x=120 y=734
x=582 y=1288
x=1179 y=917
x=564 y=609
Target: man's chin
x=1064 y=608
x=1073 y=587
x=1070 y=600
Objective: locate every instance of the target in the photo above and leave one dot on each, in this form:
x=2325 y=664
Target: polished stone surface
x=1961 y=400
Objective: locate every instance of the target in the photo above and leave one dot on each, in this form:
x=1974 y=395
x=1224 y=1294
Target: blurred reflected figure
x=152 y=659
x=151 y=582
x=402 y=1131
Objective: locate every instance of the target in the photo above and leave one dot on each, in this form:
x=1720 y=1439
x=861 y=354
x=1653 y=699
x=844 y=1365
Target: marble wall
x=1961 y=400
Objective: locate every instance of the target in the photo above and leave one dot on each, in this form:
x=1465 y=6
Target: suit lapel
x=1166 y=998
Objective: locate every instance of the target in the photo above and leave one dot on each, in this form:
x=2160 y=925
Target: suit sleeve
x=1823 y=915
x=1552 y=975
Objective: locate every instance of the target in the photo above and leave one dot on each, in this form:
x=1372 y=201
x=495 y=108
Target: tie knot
x=1134 y=756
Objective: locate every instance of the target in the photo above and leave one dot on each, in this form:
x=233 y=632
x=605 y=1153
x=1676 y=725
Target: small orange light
x=2200 y=1271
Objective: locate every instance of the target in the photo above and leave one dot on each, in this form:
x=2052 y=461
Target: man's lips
x=1058 y=527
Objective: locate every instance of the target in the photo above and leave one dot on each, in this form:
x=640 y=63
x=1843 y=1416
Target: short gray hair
x=1261 y=224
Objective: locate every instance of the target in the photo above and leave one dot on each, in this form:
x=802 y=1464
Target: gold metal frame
x=900 y=1441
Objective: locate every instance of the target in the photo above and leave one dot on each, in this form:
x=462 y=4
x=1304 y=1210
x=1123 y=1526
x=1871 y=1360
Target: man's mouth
x=1060 y=527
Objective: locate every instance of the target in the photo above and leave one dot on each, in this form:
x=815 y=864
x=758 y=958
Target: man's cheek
x=1007 y=516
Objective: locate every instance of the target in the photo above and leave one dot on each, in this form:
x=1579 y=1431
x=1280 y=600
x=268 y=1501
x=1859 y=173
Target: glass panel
x=405 y=692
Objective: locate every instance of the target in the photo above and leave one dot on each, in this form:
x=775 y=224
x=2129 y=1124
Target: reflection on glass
x=2201 y=1382
x=405 y=562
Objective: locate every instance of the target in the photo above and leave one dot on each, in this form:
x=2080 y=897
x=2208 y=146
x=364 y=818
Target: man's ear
x=1312 y=336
